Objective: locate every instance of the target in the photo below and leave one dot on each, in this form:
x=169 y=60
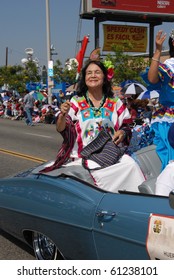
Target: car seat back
x=150 y=165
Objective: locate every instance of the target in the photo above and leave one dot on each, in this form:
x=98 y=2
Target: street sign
x=50 y=68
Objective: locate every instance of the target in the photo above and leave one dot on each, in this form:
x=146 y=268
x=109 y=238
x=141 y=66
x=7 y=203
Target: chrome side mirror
x=171 y=199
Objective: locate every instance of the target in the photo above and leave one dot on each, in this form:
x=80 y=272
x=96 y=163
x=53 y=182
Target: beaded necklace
x=97 y=111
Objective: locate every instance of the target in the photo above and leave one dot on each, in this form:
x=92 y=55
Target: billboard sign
x=150 y=7
x=119 y=34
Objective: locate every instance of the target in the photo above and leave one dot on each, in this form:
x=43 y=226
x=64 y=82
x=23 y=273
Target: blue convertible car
x=63 y=217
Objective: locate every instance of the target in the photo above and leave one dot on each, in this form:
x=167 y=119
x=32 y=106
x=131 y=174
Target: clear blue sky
x=23 y=25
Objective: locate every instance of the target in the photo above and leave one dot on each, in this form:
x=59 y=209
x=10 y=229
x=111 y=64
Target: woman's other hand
x=64 y=108
x=160 y=38
x=119 y=136
x=61 y=120
x=153 y=70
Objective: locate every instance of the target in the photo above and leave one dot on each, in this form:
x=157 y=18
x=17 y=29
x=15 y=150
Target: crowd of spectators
x=13 y=108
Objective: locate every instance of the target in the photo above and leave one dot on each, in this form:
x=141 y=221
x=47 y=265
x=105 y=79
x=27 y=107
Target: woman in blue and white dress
x=160 y=76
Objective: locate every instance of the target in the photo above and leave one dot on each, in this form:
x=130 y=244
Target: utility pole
x=48 y=53
x=6 y=57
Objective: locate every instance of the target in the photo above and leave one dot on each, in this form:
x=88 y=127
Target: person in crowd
x=50 y=115
x=14 y=111
x=7 y=113
x=55 y=101
x=43 y=112
x=147 y=113
x=28 y=107
x=132 y=108
x=2 y=109
x=95 y=108
x=21 y=114
x=160 y=76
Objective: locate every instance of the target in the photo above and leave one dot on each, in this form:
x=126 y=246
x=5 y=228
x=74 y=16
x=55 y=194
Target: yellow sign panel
x=118 y=34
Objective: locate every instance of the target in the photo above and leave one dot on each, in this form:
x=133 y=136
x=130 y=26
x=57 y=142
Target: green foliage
x=31 y=72
x=17 y=76
x=126 y=67
x=63 y=74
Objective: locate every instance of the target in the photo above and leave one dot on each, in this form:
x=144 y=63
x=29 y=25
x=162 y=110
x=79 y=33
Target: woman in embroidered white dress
x=161 y=76
x=94 y=108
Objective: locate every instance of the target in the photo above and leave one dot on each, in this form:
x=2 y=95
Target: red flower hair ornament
x=110 y=69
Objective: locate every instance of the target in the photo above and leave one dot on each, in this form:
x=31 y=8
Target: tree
x=31 y=72
x=11 y=76
x=17 y=76
x=126 y=67
x=65 y=74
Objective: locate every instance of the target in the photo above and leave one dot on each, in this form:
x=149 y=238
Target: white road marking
x=39 y=135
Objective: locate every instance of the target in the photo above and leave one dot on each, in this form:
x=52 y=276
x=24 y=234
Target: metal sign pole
x=48 y=51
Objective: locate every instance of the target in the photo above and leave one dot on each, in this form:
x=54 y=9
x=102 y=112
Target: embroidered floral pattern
x=109 y=104
x=165 y=114
x=90 y=132
x=93 y=121
x=83 y=104
x=169 y=72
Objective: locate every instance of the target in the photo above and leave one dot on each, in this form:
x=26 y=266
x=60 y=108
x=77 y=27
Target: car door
x=122 y=222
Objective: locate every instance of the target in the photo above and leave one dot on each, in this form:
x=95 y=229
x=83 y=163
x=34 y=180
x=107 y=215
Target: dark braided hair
x=171 y=47
x=107 y=85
